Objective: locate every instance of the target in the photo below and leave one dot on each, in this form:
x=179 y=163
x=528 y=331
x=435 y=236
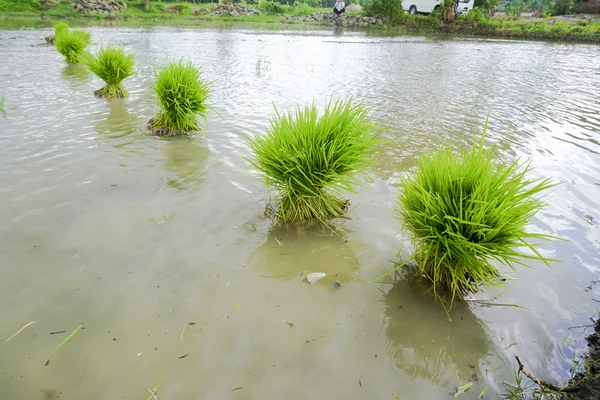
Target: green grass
x=310 y=158
x=160 y=13
x=182 y=95
x=467 y=210
x=112 y=65
x=71 y=44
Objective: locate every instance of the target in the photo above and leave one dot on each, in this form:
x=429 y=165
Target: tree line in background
x=511 y=7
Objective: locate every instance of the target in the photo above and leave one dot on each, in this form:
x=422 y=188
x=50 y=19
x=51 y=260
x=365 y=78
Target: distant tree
x=487 y=5
x=146 y=4
x=448 y=10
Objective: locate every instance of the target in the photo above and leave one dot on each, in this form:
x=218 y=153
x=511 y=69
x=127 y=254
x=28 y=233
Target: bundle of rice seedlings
x=466 y=211
x=60 y=28
x=71 y=44
x=310 y=158
x=182 y=95
x=112 y=65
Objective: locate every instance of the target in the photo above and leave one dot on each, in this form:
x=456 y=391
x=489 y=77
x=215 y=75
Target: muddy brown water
x=139 y=237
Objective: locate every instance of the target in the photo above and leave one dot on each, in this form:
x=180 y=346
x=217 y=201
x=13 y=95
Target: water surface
x=161 y=248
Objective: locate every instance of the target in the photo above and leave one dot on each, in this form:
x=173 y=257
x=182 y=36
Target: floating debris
x=336 y=285
x=153 y=391
x=462 y=389
x=19 y=331
x=79 y=327
x=289 y=323
x=314 y=277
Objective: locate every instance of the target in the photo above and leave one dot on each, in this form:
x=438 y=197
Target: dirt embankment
x=589 y=7
x=590 y=389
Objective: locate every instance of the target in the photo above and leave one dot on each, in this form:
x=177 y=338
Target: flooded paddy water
x=161 y=247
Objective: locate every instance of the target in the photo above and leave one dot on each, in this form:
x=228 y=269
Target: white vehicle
x=464 y=6
x=420 y=6
x=427 y=6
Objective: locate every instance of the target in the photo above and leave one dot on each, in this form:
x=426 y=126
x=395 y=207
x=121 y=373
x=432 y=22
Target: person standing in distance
x=339 y=7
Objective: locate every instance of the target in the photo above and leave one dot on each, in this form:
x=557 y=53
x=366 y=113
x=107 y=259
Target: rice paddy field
x=156 y=252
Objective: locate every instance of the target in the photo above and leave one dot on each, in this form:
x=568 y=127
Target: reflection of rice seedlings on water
x=119 y=122
x=112 y=65
x=71 y=44
x=295 y=253
x=185 y=163
x=422 y=340
x=76 y=73
x=310 y=159
x=182 y=95
x=466 y=211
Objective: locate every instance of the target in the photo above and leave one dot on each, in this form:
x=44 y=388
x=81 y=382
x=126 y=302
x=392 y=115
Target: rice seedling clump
x=310 y=158
x=182 y=95
x=60 y=28
x=112 y=65
x=466 y=211
x=71 y=44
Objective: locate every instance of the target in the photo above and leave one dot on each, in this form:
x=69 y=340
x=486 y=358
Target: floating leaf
x=483 y=392
x=68 y=337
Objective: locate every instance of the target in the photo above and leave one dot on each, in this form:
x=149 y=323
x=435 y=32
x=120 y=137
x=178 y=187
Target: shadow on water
x=185 y=162
x=76 y=74
x=424 y=343
x=119 y=122
x=290 y=253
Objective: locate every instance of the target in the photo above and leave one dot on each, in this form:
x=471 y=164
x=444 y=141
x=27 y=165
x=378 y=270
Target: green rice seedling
x=466 y=211
x=61 y=344
x=182 y=95
x=310 y=158
x=60 y=28
x=112 y=65
x=72 y=44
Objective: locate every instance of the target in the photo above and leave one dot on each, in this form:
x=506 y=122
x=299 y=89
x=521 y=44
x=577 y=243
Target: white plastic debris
x=314 y=277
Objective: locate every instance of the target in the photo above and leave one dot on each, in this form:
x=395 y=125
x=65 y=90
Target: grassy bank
x=473 y=24
x=476 y=24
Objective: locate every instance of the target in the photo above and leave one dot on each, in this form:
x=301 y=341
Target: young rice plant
x=310 y=159
x=182 y=95
x=60 y=28
x=112 y=65
x=467 y=210
x=71 y=44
